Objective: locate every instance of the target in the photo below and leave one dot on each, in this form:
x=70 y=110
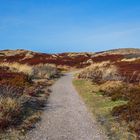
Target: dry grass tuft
x=45 y=71
x=17 y=67
x=100 y=72
x=10 y=110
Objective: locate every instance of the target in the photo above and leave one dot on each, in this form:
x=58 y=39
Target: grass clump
x=10 y=109
x=45 y=71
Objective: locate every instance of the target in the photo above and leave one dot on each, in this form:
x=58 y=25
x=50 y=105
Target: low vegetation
x=45 y=71
x=68 y=60
x=34 y=71
x=100 y=72
x=17 y=67
x=110 y=85
x=101 y=107
x=22 y=97
x=118 y=79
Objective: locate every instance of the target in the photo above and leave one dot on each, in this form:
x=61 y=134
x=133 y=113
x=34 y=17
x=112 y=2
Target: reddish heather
x=13 y=78
x=60 y=59
x=109 y=57
x=130 y=70
x=15 y=58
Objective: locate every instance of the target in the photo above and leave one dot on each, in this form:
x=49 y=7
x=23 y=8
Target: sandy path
x=66 y=117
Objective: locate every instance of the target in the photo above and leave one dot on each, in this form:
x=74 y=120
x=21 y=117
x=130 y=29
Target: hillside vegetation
x=25 y=77
x=67 y=60
x=24 y=90
x=117 y=75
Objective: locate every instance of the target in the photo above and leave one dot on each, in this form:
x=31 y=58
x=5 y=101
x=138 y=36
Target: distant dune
x=77 y=60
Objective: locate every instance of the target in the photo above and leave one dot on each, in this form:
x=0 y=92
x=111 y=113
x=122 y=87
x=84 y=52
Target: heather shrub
x=15 y=79
x=113 y=89
x=129 y=71
x=129 y=112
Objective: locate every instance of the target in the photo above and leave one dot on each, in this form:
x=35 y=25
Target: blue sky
x=69 y=25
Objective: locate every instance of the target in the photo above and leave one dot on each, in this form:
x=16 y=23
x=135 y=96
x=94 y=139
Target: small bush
x=45 y=71
x=10 y=110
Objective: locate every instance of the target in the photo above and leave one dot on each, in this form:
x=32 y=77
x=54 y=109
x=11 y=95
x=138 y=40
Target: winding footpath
x=66 y=116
